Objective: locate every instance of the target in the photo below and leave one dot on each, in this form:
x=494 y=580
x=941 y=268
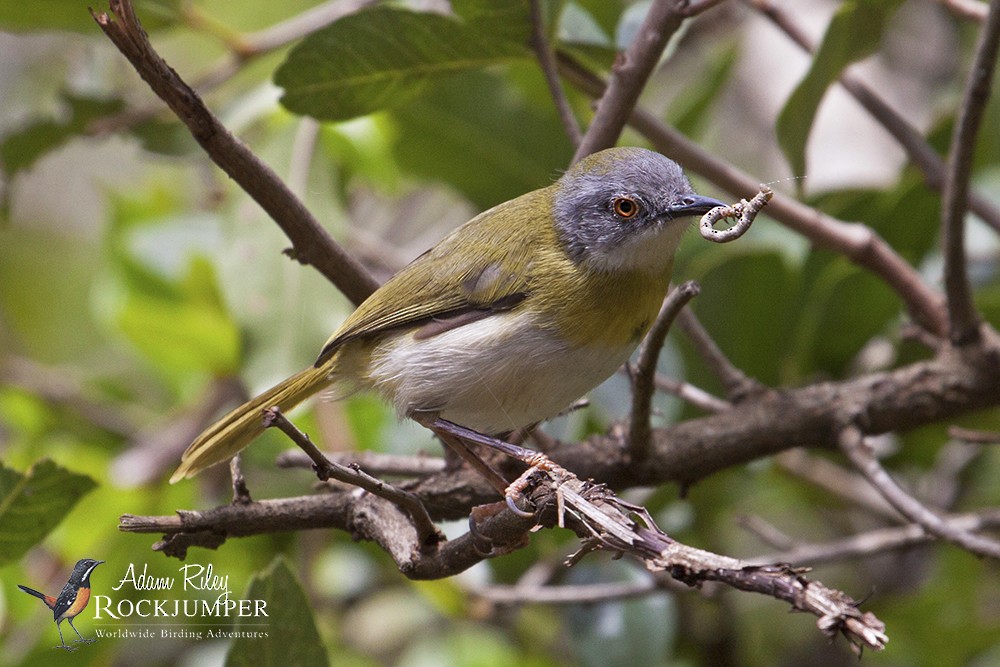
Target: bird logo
x=71 y=601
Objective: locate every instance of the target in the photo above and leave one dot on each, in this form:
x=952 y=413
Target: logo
x=71 y=601
x=157 y=607
x=197 y=597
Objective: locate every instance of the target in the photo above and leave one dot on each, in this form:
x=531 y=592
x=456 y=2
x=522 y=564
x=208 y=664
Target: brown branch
x=547 y=61
x=607 y=522
x=853 y=444
x=773 y=421
x=594 y=512
x=629 y=75
x=644 y=374
x=857 y=242
x=695 y=7
x=376 y=463
x=972 y=436
x=311 y=244
x=427 y=533
x=923 y=155
x=963 y=318
x=278 y=35
x=696 y=396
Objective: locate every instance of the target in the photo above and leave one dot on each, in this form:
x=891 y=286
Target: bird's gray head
x=613 y=209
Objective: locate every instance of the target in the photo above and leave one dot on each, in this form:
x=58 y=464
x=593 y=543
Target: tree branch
x=857 y=242
x=774 y=421
x=547 y=61
x=311 y=244
x=629 y=75
x=924 y=157
x=876 y=541
x=427 y=533
x=853 y=444
x=560 y=498
x=963 y=319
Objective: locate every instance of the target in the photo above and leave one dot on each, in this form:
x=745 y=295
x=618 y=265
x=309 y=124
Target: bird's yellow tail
x=223 y=439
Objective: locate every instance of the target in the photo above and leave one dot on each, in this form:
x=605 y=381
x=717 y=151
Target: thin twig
x=877 y=541
x=375 y=463
x=853 y=444
x=973 y=436
x=768 y=532
x=325 y=469
x=241 y=493
x=836 y=480
x=696 y=396
x=735 y=382
x=695 y=7
x=311 y=243
x=547 y=61
x=628 y=77
x=963 y=319
x=568 y=594
x=295 y=28
x=602 y=519
x=644 y=374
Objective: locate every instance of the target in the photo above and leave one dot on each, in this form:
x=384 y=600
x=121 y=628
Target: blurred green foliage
x=135 y=278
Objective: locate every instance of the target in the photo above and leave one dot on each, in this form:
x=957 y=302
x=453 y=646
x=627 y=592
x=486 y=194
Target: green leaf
x=292 y=637
x=690 y=112
x=384 y=57
x=845 y=308
x=34 y=503
x=499 y=19
x=463 y=134
x=854 y=33
x=744 y=300
x=22 y=148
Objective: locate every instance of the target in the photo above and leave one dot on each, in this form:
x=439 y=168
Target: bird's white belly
x=493 y=375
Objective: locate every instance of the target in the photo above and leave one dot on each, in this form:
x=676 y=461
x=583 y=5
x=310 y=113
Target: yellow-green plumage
x=504 y=322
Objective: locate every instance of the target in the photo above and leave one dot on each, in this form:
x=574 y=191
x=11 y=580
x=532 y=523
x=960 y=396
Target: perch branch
x=644 y=373
x=427 y=532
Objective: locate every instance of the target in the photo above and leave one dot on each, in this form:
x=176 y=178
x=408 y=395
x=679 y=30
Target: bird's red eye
x=625 y=207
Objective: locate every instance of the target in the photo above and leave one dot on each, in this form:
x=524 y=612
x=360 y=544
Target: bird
x=71 y=601
x=511 y=317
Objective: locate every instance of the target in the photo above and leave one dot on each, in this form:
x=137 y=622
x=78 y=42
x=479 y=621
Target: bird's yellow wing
x=450 y=285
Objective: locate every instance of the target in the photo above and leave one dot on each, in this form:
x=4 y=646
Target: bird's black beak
x=693 y=205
